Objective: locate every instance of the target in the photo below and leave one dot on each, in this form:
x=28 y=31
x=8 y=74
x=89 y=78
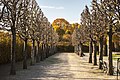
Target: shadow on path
x=61 y=66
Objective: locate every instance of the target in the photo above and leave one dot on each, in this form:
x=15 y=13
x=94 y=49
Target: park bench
x=118 y=65
x=118 y=69
x=105 y=66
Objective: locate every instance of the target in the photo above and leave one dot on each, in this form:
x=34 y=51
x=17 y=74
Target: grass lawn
x=116 y=56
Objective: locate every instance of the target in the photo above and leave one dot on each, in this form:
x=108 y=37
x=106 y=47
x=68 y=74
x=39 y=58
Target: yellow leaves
x=60 y=23
x=4 y=37
x=56 y=27
x=64 y=30
x=116 y=37
x=78 y=26
x=68 y=32
x=74 y=25
x=67 y=36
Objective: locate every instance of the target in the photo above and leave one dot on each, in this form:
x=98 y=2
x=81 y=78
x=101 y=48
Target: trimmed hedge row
x=5 y=48
x=65 y=49
x=71 y=48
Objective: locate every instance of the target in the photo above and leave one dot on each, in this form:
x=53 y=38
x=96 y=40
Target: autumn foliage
x=5 y=48
x=64 y=29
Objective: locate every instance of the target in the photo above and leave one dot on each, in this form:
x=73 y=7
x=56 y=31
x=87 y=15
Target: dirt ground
x=61 y=66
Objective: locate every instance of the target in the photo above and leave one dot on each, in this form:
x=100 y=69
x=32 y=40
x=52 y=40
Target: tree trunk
x=55 y=48
x=25 y=54
x=81 y=50
x=105 y=49
x=47 y=50
x=42 y=52
x=95 y=52
x=100 y=52
x=78 y=49
x=74 y=49
x=90 y=51
x=51 y=50
x=33 y=53
x=117 y=46
x=110 y=61
x=13 y=45
x=37 y=52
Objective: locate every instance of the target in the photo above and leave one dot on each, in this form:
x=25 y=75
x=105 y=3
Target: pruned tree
x=34 y=9
x=23 y=28
x=9 y=18
x=101 y=24
x=25 y=18
x=86 y=21
x=111 y=9
x=38 y=34
x=78 y=38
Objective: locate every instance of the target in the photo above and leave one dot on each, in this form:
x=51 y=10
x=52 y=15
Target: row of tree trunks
x=101 y=20
x=78 y=49
x=38 y=53
x=103 y=49
x=93 y=49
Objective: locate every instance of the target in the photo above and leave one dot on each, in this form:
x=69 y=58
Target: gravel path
x=61 y=66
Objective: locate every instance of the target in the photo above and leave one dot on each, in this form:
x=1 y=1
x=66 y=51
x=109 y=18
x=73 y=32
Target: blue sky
x=67 y=9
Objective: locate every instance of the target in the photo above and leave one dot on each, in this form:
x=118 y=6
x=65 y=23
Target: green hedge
x=70 y=48
x=65 y=48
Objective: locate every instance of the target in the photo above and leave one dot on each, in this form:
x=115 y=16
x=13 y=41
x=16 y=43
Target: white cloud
x=51 y=7
x=59 y=7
